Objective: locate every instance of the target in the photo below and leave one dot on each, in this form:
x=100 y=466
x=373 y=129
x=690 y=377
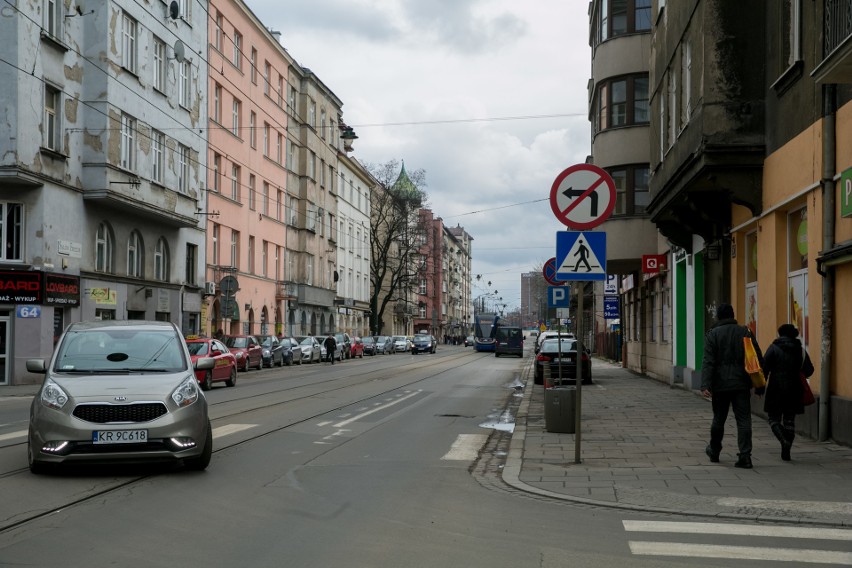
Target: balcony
x=146 y=201
x=286 y=290
x=836 y=66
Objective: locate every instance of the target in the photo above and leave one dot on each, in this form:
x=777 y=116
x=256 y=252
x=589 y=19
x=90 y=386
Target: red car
x=357 y=348
x=247 y=350
x=226 y=364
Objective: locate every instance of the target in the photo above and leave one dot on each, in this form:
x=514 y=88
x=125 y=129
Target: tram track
x=361 y=378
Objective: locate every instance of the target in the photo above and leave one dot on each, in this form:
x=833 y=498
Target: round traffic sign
x=582 y=196
x=549 y=272
x=229 y=285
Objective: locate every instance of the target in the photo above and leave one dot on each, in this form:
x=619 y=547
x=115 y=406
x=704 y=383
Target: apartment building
x=102 y=170
x=458 y=279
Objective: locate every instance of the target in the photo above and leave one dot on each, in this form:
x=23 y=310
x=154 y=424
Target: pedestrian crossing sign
x=580 y=255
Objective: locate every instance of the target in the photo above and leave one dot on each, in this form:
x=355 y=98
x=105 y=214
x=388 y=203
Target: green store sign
x=846 y=193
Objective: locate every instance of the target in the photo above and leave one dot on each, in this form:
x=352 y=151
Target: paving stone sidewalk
x=642 y=448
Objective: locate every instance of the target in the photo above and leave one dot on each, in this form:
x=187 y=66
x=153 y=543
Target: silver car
x=119 y=391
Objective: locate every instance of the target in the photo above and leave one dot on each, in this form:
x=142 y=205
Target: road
x=384 y=461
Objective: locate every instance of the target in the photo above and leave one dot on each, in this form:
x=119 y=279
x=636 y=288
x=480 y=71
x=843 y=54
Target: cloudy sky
x=488 y=97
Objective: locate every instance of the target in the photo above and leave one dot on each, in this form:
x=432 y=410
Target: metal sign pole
x=579 y=374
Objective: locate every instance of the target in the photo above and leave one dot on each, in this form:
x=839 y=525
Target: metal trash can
x=560 y=404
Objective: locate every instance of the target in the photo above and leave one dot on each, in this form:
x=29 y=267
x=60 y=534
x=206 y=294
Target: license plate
x=119 y=436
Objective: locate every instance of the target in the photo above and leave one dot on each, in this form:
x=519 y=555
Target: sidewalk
x=642 y=449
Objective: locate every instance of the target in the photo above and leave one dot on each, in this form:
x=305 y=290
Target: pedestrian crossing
x=835 y=546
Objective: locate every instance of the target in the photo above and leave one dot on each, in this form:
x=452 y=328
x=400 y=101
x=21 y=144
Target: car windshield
x=285 y=342
x=367 y=340
x=399 y=338
x=267 y=341
x=381 y=339
x=307 y=341
x=553 y=345
x=120 y=350
x=197 y=347
x=237 y=342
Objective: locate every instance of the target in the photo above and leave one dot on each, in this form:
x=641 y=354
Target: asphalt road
x=385 y=461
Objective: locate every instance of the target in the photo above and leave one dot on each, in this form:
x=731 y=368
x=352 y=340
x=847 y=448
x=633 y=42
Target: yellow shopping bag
x=752 y=364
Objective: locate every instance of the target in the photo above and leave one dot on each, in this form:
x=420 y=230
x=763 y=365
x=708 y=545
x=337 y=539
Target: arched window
x=135 y=255
x=161 y=260
x=104 y=249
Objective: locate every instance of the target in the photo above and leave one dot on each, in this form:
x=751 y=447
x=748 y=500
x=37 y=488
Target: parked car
x=119 y=391
x=368 y=345
x=344 y=341
x=468 y=341
x=400 y=343
x=247 y=350
x=509 y=340
x=562 y=354
x=311 y=348
x=295 y=351
x=384 y=344
x=275 y=354
x=551 y=335
x=423 y=343
x=357 y=347
x=225 y=368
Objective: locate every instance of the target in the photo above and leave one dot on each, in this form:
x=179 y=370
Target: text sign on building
x=21 y=287
x=846 y=193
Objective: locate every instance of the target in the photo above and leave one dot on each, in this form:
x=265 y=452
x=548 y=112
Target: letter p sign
x=558 y=297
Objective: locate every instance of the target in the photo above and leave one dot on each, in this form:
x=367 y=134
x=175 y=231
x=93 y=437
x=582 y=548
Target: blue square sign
x=580 y=255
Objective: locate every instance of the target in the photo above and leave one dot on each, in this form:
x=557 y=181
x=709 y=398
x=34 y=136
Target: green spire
x=403 y=186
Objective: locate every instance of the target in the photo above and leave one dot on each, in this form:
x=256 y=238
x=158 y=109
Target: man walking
x=330 y=347
x=724 y=380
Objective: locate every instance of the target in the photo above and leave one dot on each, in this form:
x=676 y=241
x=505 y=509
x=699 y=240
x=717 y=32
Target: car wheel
x=207 y=383
x=201 y=462
x=36 y=467
x=260 y=364
x=232 y=379
x=289 y=360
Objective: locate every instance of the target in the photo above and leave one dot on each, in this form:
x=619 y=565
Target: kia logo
x=120 y=398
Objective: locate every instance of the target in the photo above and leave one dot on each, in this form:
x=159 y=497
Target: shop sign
x=103 y=296
x=61 y=289
x=20 y=287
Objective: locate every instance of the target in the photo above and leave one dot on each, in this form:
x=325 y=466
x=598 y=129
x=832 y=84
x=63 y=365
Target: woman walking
x=782 y=363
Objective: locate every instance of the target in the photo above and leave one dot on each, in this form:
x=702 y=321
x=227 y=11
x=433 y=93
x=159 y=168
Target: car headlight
x=266 y=352
x=186 y=393
x=52 y=396
x=239 y=354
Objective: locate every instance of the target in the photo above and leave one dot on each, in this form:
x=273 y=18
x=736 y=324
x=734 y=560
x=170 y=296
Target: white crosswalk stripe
x=771 y=553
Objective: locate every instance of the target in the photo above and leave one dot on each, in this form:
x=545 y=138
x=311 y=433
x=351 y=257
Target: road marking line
x=228 y=429
x=363 y=414
x=740 y=552
x=323 y=423
x=737 y=529
x=13 y=435
x=465 y=448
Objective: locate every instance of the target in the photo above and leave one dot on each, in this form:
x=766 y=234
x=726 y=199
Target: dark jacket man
x=330 y=347
x=725 y=381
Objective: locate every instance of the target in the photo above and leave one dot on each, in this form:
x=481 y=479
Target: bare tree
x=395 y=237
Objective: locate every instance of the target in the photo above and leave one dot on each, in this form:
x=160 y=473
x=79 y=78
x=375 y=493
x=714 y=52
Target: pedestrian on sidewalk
x=783 y=362
x=726 y=383
x=330 y=347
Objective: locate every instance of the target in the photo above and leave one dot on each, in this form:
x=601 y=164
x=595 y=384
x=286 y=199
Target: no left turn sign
x=582 y=197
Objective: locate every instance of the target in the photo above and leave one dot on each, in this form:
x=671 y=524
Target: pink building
x=247 y=176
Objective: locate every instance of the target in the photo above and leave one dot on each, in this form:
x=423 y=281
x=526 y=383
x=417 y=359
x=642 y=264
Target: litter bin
x=560 y=404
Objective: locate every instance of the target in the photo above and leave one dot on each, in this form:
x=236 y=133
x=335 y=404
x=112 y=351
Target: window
x=191 y=273
x=423 y=287
x=312 y=218
x=236 y=109
x=183 y=168
x=251 y=196
x=253 y=129
x=235 y=249
x=266 y=139
x=217 y=171
x=217 y=34
x=161 y=260
x=292 y=210
x=128 y=43
x=686 y=82
x=279 y=206
x=238 y=50
x=235 y=182
x=631 y=189
x=797 y=272
x=12 y=231
x=291 y=156
x=184 y=78
x=158 y=147
x=267 y=77
x=791 y=32
x=623 y=102
x=277 y=251
x=652 y=315
x=264 y=253
x=322 y=173
x=264 y=205
x=619 y=17
x=217 y=103
x=312 y=114
x=312 y=165
x=321 y=221
x=291 y=99
x=135 y=255
x=158 y=52
x=53 y=18
x=128 y=142
x=52 y=106
x=322 y=124
x=104 y=245
x=215 y=254
x=279 y=149
x=253 y=70
x=673 y=114
x=280 y=91
x=309 y=270
x=251 y=255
